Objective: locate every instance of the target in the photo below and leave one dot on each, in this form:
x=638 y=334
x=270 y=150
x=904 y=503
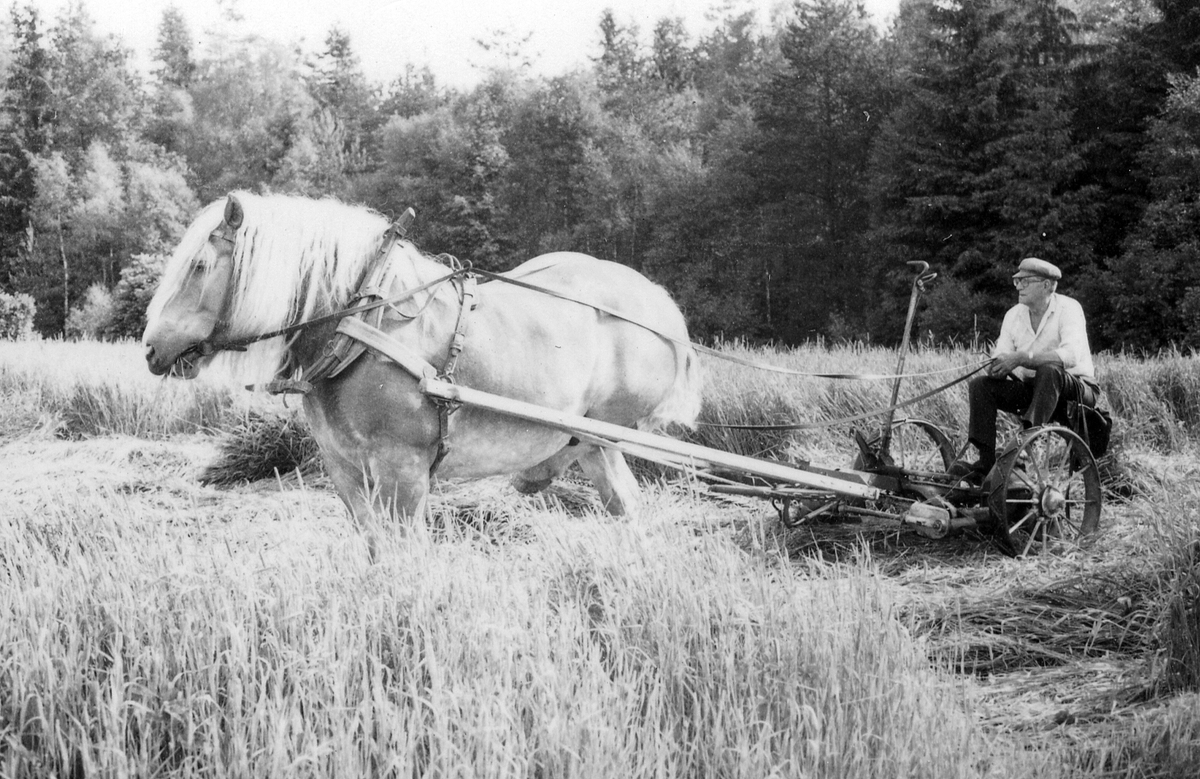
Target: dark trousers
x=1039 y=400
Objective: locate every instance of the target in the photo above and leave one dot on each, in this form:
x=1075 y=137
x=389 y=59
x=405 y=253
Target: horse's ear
x=233 y=212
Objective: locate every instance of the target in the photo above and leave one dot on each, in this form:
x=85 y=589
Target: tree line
x=776 y=176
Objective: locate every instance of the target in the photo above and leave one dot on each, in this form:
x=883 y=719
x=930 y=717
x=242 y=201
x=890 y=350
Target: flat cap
x=1032 y=266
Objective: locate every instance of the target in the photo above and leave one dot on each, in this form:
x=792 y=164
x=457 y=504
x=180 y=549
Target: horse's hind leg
x=619 y=491
x=539 y=477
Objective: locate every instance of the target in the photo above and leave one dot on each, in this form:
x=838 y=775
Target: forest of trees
x=776 y=177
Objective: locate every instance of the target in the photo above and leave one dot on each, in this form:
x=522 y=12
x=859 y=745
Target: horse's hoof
x=529 y=486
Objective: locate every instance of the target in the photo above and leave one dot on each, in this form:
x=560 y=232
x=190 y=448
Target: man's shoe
x=971 y=472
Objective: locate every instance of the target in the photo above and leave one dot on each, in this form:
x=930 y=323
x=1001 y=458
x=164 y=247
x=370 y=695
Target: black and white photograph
x=600 y=389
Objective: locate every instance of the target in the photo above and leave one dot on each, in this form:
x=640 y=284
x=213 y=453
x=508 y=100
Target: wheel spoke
x=1022 y=520
x=1065 y=475
x=1039 y=525
x=1089 y=465
x=1023 y=476
x=1064 y=463
x=919 y=448
x=1067 y=523
x=1036 y=454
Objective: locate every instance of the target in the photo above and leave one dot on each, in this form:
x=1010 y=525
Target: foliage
x=446 y=164
x=1154 y=287
x=131 y=297
x=775 y=174
x=340 y=88
x=158 y=204
x=414 y=92
x=93 y=318
x=975 y=168
x=16 y=316
x=174 y=71
x=95 y=94
x=817 y=118
x=88 y=190
x=24 y=130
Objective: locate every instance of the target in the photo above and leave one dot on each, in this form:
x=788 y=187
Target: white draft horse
x=251 y=264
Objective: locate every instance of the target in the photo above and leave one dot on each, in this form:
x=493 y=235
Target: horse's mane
x=296 y=258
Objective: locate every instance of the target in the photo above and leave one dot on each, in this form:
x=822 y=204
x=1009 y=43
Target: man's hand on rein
x=1004 y=364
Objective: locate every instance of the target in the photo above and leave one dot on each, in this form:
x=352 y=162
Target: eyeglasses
x=1022 y=283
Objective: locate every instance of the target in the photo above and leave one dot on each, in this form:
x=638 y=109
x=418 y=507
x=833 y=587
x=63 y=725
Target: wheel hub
x=1053 y=501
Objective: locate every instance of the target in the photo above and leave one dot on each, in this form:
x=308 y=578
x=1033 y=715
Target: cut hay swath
x=263 y=446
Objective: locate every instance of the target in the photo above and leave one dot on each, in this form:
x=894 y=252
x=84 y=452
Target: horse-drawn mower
x=1042 y=495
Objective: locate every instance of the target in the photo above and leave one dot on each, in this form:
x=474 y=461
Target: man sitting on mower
x=1040 y=362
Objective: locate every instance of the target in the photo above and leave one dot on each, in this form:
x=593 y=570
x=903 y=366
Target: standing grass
x=85 y=389
x=593 y=649
x=736 y=395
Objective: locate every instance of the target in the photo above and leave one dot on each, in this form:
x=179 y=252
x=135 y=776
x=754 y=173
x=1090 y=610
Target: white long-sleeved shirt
x=1062 y=330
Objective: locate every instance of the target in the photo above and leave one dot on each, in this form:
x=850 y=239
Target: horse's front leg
x=610 y=474
x=376 y=490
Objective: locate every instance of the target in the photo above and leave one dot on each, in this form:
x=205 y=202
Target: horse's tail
x=682 y=403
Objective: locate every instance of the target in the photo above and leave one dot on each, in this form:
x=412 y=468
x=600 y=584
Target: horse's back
x=606 y=283
x=647 y=355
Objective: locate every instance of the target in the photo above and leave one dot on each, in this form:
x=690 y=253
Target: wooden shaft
x=572 y=423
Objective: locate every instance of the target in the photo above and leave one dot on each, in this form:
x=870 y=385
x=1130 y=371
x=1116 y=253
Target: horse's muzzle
x=183 y=366
x=157 y=367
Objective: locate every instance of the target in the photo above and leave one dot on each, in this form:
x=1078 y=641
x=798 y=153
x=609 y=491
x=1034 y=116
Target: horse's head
x=192 y=300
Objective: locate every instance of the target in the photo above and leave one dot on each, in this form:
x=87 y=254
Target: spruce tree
x=817 y=118
x=976 y=168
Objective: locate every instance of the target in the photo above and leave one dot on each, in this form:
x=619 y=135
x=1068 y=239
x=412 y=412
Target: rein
x=239 y=344
x=855 y=417
x=399 y=230
x=714 y=352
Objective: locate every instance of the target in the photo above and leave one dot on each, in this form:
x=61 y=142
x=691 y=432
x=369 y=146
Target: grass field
x=155 y=623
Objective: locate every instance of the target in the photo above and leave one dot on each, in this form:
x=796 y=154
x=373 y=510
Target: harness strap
x=239 y=345
x=467 y=303
x=389 y=347
x=342 y=350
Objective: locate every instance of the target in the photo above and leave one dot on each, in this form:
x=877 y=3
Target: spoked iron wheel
x=1044 y=493
x=916 y=446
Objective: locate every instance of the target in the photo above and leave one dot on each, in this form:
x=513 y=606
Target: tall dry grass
x=591 y=649
x=85 y=388
x=737 y=395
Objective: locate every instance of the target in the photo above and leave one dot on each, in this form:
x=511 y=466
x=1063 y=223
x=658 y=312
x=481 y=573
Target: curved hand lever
x=924 y=276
